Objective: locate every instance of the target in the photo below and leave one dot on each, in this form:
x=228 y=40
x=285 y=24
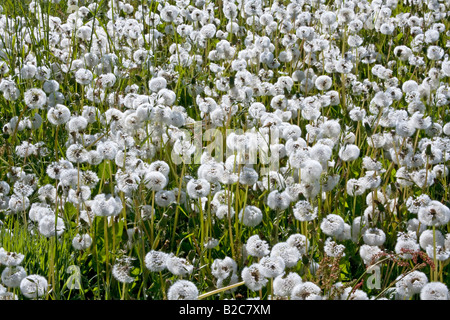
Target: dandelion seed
x=18 y=204
x=164 y=198
x=106 y=205
x=350 y=294
x=77 y=153
x=59 y=114
x=411 y=284
x=155 y=180
x=304 y=211
x=251 y=216
x=349 y=152
x=223 y=268
x=155 y=261
x=441 y=254
x=284 y=284
x=198 y=188
x=156 y=84
x=10 y=259
x=35 y=98
x=84 y=76
x=248 y=176
x=409 y=244
x=211 y=171
x=121 y=270
x=169 y=13
x=333 y=249
x=323 y=83
x=369 y=253
x=82 y=242
x=374 y=237
x=33 y=286
x=306 y=291
x=50 y=226
x=179 y=266
x=253 y=277
x=257 y=247
x=182 y=290
x=13 y=276
x=160 y=166
x=355 y=187
x=332 y=225
x=26 y=149
x=435 y=52
x=311 y=171
x=434 y=291
x=289 y=253
x=434 y=214
x=278 y=200
x=107 y=149
x=80 y=195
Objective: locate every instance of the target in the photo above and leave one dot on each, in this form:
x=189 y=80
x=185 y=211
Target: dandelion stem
x=230 y=230
x=210 y=293
x=202 y=225
x=152 y=220
x=105 y=226
x=435 y=271
x=175 y=222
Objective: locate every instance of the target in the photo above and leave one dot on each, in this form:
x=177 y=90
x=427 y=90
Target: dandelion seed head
x=350 y=294
x=290 y=254
x=223 y=268
x=155 y=261
x=155 y=180
x=434 y=291
x=257 y=247
x=33 y=286
x=374 y=237
x=13 y=276
x=434 y=214
x=278 y=200
x=251 y=216
x=306 y=291
x=182 y=290
x=332 y=225
x=253 y=277
x=179 y=266
x=284 y=284
x=121 y=270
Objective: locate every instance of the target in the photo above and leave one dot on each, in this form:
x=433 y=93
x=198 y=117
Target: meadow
x=231 y=149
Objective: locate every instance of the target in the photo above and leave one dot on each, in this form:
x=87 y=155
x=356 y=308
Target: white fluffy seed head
x=332 y=225
x=182 y=290
x=33 y=286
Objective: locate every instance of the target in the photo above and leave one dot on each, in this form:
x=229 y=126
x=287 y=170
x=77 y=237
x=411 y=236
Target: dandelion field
x=242 y=150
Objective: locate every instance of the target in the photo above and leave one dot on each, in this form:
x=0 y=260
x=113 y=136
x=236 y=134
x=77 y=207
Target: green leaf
x=70 y=211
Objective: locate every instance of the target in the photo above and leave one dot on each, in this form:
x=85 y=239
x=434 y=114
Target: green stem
x=175 y=222
x=435 y=271
x=207 y=294
x=105 y=225
x=152 y=220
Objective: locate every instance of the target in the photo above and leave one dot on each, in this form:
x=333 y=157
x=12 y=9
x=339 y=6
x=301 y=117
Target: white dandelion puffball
x=34 y=286
x=332 y=225
x=182 y=290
